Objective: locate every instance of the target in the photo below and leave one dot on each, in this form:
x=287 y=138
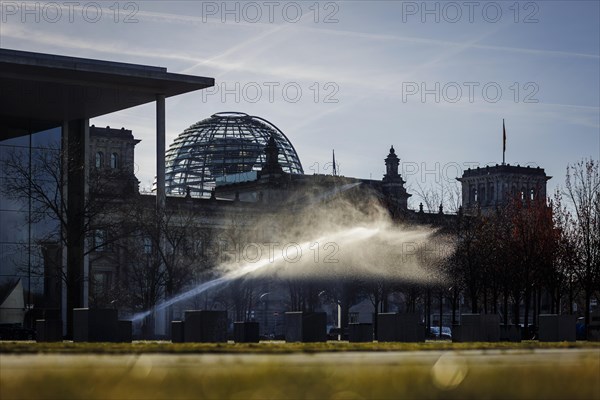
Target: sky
x=433 y=79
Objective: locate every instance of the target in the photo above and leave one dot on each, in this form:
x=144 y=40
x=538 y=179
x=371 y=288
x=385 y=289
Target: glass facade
x=226 y=144
x=29 y=226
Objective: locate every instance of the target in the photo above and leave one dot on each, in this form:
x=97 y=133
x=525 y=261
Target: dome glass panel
x=223 y=148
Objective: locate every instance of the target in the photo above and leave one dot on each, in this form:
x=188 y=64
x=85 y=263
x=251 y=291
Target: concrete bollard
x=305 y=326
x=95 y=325
x=556 y=328
x=360 y=332
x=205 y=326
x=510 y=333
x=395 y=327
x=246 y=332
x=125 y=331
x=177 y=330
x=477 y=328
x=593 y=328
x=48 y=330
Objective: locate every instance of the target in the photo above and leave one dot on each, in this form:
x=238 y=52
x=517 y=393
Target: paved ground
x=559 y=373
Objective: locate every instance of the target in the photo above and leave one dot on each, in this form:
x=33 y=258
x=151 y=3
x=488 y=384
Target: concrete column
x=75 y=164
x=499 y=193
x=64 y=302
x=86 y=195
x=465 y=194
x=160 y=316
x=160 y=152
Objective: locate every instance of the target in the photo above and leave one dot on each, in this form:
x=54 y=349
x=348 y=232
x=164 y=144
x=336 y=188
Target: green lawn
x=277 y=370
x=271 y=347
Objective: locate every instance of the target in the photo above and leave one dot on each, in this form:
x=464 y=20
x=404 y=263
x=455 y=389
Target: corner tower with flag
x=487 y=187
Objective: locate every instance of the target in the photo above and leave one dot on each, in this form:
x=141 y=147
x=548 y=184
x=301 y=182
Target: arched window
x=531 y=194
x=99 y=159
x=114 y=160
x=100 y=240
x=147 y=245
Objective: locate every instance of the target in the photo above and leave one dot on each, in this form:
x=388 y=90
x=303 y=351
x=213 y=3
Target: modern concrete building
x=12 y=304
x=49 y=94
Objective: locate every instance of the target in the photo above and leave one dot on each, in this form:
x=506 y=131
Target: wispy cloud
x=68 y=42
x=378 y=37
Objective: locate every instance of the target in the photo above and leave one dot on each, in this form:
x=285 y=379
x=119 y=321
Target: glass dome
x=227 y=147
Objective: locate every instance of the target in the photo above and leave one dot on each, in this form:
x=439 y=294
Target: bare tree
x=582 y=190
x=241 y=292
x=165 y=253
x=564 y=274
x=446 y=194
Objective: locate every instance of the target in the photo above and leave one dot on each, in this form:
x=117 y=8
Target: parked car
x=434 y=333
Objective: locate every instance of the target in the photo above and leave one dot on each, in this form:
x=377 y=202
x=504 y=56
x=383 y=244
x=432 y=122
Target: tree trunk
x=588 y=297
x=474 y=308
x=505 y=308
x=485 y=301
x=428 y=310
x=516 y=313
x=375 y=314
x=454 y=305
x=534 y=310
x=495 y=300
x=441 y=312
x=526 y=300
x=539 y=304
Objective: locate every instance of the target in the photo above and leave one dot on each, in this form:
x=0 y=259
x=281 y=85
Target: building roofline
x=56 y=88
x=504 y=169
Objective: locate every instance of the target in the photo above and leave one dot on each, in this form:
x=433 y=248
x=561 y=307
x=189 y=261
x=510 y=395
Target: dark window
x=147 y=245
x=100 y=240
x=101 y=283
x=114 y=160
x=99 y=159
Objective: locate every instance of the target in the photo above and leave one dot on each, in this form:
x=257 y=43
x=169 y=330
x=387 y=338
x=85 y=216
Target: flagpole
x=503 y=142
x=334 y=167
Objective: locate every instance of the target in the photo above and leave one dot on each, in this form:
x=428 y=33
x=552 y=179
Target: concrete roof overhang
x=40 y=91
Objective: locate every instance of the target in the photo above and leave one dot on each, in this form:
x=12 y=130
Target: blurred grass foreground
x=296 y=371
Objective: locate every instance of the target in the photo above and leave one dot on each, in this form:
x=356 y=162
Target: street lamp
x=339 y=314
x=265 y=307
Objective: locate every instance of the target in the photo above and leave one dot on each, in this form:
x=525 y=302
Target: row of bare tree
x=528 y=255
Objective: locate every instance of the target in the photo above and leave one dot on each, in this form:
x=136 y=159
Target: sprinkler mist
x=346 y=236
x=356 y=240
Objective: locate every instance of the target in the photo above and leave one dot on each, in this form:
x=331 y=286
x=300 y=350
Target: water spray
x=349 y=236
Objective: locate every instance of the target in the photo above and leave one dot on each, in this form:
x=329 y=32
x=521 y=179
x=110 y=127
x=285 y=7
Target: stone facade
x=393 y=184
x=112 y=166
x=485 y=189
x=209 y=222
